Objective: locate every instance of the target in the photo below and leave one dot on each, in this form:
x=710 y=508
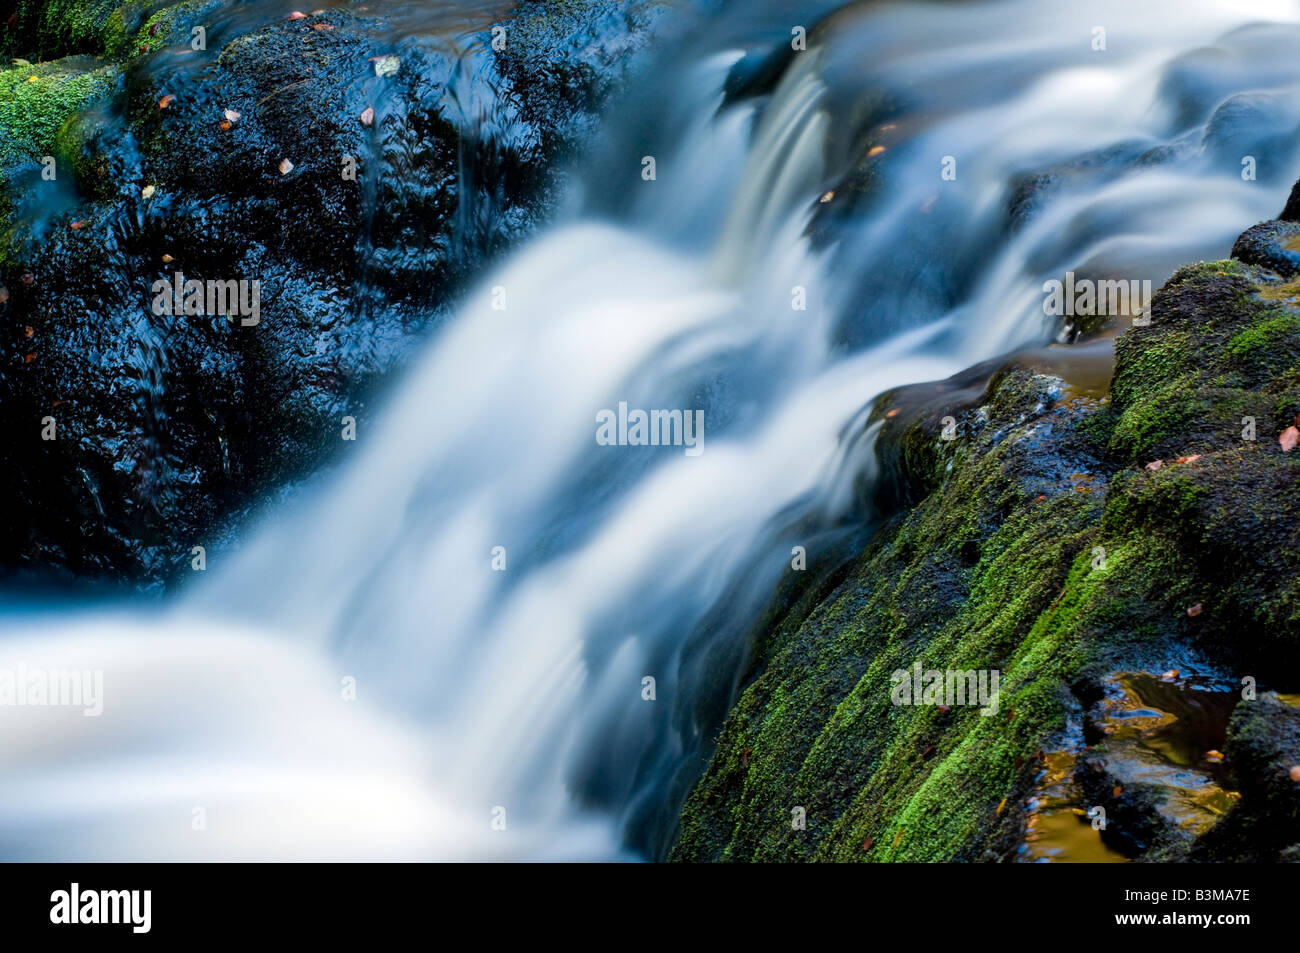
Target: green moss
x=35 y=102
x=1035 y=547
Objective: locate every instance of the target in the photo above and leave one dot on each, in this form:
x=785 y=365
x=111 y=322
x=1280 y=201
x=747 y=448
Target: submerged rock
x=1074 y=546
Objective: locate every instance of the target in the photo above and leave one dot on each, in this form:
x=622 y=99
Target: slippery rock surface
x=361 y=164
x=1127 y=564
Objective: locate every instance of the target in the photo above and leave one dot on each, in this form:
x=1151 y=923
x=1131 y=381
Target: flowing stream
x=490 y=697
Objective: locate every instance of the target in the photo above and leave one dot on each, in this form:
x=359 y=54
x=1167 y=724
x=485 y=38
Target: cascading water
x=481 y=688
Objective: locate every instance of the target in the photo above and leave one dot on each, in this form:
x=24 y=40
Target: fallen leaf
x=148 y=191
x=31 y=79
x=1194 y=611
x=1040 y=498
x=1001 y=805
x=297 y=16
x=29 y=358
x=875 y=151
x=4 y=294
x=1295 y=773
x=167 y=259
x=744 y=757
x=1213 y=756
x=166 y=101
x=1155 y=464
x=827 y=196
x=78 y=224
x=927 y=752
x=28 y=279
x=1170 y=676
x=367 y=116
x=225 y=125
x=898 y=837
x=153 y=30
x=867 y=842
x=1117 y=792
x=1290 y=437
x=322 y=26
x=892 y=413
x=285 y=166
x=231 y=115
x=386 y=65
x=944 y=709
x=28 y=331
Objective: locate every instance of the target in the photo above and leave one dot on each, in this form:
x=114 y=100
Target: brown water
x=1167 y=731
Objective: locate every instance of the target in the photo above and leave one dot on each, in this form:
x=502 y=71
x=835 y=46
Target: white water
x=523 y=689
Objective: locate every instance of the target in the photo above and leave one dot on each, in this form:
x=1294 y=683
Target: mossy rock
x=1054 y=539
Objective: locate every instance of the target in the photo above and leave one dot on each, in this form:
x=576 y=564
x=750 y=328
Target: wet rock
x=1059 y=539
x=1272 y=245
x=359 y=167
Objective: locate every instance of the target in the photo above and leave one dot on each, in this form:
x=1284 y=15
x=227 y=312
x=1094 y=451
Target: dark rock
x=1268 y=245
x=234 y=164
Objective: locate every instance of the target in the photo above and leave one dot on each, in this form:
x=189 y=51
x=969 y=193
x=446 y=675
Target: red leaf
x=1194 y=611
x=1290 y=437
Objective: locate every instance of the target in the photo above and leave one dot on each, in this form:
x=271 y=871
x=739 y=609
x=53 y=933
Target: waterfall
x=496 y=586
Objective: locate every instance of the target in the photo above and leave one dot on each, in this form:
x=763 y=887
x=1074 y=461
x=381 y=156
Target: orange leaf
x=1118 y=791
x=1295 y=773
x=875 y=151
x=1170 y=676
x=167 y=259
x=1001 y=806
x=29 y=358
x=166 y=101
x=78 y=224
x=28 y=331
x=1192 y=459
x=1194 y=611
x=225 y=125
x=1290 y=437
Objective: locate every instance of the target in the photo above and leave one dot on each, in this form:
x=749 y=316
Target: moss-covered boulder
x=1122 y=564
